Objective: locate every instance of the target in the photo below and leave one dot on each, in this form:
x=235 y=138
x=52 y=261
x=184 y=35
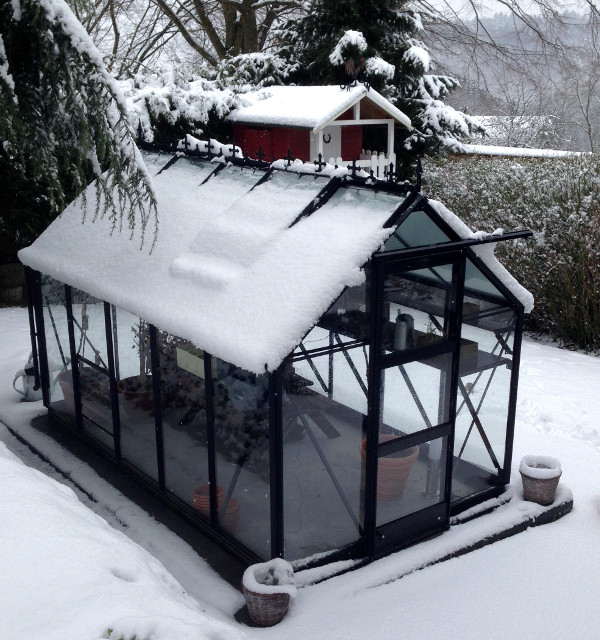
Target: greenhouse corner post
x=210 y=439
x=375 y=390
x=114 y=394
x=276 y=461
x=156 y=391
x=512 y=407
x=31 y=278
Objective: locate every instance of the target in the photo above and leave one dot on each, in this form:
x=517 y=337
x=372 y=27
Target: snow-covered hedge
x=558 y=199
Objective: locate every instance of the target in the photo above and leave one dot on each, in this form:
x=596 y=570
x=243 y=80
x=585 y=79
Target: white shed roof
x=312 y=107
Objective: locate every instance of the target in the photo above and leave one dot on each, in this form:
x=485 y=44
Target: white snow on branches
x=418 y=56
x=4 y=70
x=379 y=67
x=350 y=38
x=172 y=96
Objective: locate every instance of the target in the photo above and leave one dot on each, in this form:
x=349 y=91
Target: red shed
x=315 y=120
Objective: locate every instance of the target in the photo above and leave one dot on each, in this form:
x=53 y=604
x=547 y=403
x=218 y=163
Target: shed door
x=418 y=348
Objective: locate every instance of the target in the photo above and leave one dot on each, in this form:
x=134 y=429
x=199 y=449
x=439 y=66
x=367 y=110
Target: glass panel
x=479 y=285
x=57 y=348
x=482 y=403
x=416 y=395
x=324 y=405
x=241 y=405
x=184 y=423
x=90 y=343
x=415 y=307
x=416 y=231
x=131 y=338
x=410 y=479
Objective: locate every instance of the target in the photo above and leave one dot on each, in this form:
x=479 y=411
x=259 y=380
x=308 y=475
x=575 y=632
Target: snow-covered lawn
x=68 y=575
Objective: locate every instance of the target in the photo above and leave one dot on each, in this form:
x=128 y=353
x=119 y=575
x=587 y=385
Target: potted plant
x=268 y=587
x=392 y=470
x=540 y=475
x=230 y=515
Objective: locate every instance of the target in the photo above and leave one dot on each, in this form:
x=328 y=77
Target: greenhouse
x=310 y=363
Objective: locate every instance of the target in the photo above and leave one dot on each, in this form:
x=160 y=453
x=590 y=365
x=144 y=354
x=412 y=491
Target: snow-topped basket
x=540 y=476
x=268 y=587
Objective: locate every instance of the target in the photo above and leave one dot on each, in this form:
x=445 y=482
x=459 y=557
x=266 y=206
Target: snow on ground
x=67 y=575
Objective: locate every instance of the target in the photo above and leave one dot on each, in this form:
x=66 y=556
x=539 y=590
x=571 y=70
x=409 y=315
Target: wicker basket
x=266 y=609
x=540 y=491
x=540 y=487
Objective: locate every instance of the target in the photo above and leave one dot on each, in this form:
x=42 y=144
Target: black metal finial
x=319 y=164
x=209 y=146
x=233 y=150
x=260 y=155
x=288 y=158
x=354 y=169
x=389 y=174
x=419 y=173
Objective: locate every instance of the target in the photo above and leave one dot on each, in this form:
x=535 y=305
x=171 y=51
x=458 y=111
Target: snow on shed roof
x=228 y=272
x=308 y=107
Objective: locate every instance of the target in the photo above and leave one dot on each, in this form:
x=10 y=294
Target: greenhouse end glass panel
x=416 y=305
x=57 y=348
x=418 y=230
x=241 y=424
x=131 y=342
x=324 y=409
x=484 y=387
x=410 y=479
x=416 y=395
x=184 y=425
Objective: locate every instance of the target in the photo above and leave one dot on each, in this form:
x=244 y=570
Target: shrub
x=558 y=199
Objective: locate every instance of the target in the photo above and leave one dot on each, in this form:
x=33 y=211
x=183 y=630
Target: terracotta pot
x=201 y=497
x=393 y=470
x=201 y=502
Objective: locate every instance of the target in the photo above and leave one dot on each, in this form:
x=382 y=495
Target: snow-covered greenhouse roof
x=236 y=268
x=312 y=107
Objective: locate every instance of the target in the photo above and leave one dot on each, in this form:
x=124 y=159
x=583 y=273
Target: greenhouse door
x=416 y=353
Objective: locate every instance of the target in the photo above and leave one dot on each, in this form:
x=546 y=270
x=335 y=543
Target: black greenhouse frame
x=291 y=410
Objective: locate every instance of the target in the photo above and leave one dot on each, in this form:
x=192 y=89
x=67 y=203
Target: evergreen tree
x=382 y=37
x=62 y=125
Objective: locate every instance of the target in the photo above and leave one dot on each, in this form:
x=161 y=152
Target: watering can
x=30 y=391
